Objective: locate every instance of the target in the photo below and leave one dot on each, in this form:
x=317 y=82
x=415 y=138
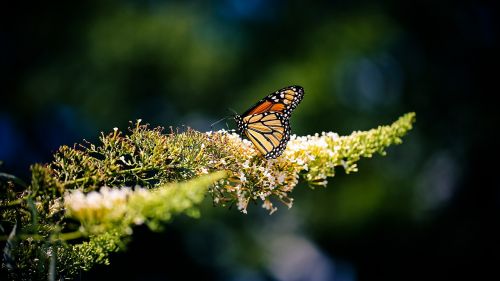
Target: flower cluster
x=313 y=157
x=252 y=177
x=121 y=208
x=90 y=184
x=149 y=158
x=107 y=204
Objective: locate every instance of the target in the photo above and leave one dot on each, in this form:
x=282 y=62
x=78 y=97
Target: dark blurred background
x=428 y=211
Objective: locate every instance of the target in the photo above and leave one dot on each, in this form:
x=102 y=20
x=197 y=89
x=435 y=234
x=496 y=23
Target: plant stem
x=138 y=169
x=55 y=237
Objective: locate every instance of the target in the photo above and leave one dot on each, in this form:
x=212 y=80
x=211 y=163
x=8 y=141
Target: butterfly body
x=267 y=124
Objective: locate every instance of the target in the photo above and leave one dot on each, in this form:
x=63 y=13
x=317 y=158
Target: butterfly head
x=242 y=126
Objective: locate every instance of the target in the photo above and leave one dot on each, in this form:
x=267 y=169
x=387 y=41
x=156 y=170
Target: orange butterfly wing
x=269 y=132
x=284 y=100
x=266 y=124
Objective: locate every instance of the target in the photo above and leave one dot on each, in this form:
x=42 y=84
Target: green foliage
x=96 y=250
x=105 y=220
x=84 y=204
x=117 y=209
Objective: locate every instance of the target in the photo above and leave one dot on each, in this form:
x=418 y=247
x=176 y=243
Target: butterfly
x=267 y=123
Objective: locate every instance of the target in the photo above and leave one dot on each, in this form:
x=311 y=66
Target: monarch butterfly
x=266 y=124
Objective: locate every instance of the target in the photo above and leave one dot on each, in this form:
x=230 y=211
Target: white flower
x=281 y=178
x=242 y=204
x=242 y=177
x=94 y=200
x=74 y=200
x=108 y=203
x=269 y=206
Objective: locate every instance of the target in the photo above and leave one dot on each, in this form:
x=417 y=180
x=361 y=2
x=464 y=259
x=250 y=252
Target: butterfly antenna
x=230 y=130
x=232 y=110
x=218 y=121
